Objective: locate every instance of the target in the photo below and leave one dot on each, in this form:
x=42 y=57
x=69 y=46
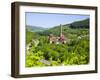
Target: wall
x=5 y=40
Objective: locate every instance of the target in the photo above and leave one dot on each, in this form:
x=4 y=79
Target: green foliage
x=32 y=59
x=75 y=52
x=80 y=24
x=30 y=36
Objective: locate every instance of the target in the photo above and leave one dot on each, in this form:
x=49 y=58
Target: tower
x=62 y=37
x=60 y=30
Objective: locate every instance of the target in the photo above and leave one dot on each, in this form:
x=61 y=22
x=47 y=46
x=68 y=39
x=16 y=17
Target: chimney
x=60 y=30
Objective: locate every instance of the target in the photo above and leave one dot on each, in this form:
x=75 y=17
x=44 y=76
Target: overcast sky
x=48 y=20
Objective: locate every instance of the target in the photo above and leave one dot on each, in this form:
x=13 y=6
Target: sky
x=48 y=20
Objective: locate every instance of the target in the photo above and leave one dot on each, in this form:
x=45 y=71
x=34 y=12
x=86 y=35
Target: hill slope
x=80 y=24
x=35 y=28
x=70 y=30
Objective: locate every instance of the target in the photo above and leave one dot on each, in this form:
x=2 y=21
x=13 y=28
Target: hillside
x=80 y=24
x=70 y=30
x=77 y=24
x=35 y=28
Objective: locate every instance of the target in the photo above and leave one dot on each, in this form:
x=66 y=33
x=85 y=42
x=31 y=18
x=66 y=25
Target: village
x=58 y=39
x=52 y=39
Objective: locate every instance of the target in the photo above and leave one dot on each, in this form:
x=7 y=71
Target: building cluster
x=59 y=39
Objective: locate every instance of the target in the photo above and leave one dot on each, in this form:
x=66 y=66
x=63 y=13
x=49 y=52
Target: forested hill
x=80 y=24
x=68 y=28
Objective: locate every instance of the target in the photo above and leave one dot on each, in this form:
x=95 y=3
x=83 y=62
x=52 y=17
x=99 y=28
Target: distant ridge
x=34 y=28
